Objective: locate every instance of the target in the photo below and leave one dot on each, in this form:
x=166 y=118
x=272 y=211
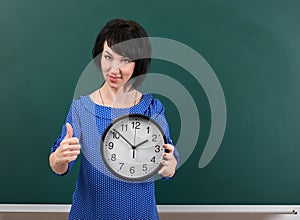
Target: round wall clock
x=132 y=147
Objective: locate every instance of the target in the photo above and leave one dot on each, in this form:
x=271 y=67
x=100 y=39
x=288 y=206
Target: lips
x=113 y=78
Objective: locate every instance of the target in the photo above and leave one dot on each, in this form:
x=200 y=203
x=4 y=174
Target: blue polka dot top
x=99 y=194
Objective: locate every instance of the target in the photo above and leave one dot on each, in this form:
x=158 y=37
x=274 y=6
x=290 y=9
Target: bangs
x=129 y=46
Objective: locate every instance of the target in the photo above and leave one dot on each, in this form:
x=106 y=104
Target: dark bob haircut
x=129 y=39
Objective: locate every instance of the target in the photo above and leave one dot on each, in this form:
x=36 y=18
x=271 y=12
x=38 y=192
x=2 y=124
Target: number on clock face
x=132 y=147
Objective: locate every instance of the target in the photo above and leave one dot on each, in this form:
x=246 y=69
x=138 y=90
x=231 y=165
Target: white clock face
x=132 y=147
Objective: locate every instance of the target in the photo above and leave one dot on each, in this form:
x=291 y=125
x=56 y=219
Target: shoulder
x=155 y=105
x=82 y=102
x=76 y=103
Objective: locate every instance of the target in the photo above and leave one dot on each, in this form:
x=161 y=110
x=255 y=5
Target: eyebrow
x=108 y=53
x=123 y=57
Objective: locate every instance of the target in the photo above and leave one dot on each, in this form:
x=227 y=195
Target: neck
x=119 y=98
x=111 y=92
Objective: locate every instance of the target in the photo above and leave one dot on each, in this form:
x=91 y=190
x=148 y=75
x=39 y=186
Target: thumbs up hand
x=68 y=151
x=69 y=148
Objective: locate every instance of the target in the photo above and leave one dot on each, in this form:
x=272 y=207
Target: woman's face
x=117 y=70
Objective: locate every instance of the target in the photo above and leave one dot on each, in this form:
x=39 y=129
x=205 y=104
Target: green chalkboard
x=251 y=46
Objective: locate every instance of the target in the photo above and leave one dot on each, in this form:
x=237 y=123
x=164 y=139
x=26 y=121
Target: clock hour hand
x=124 y=138
x=143 y=142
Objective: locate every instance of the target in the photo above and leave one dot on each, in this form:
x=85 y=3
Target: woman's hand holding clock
x=169 y=162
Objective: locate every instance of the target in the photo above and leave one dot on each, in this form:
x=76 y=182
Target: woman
x=98 y=195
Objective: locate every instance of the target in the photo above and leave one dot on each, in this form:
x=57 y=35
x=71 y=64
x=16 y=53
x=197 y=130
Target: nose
x=116 y=67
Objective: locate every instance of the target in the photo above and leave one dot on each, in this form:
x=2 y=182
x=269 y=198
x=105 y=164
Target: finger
x=68 y=154
x=74 y=153
x=74 y=147
x=163 y=171
x=168 y=148
x=166 y=170
x=168 y=156
x=70 y=141
x=69 y=130
x=69 y=159
x=165 y=162
x=68 y=147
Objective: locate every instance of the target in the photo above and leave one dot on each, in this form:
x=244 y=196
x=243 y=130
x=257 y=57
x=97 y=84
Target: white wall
x=163 y=216
x=228 y=217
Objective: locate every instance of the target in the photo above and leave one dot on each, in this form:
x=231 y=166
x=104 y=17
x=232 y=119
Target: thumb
x=69 y=130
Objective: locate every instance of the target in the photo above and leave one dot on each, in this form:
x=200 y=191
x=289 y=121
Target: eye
x=126 y=60
x=107 y=57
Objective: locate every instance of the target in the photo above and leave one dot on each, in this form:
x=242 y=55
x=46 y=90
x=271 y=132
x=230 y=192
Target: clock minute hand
x=124 y=138
x=143 y=142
